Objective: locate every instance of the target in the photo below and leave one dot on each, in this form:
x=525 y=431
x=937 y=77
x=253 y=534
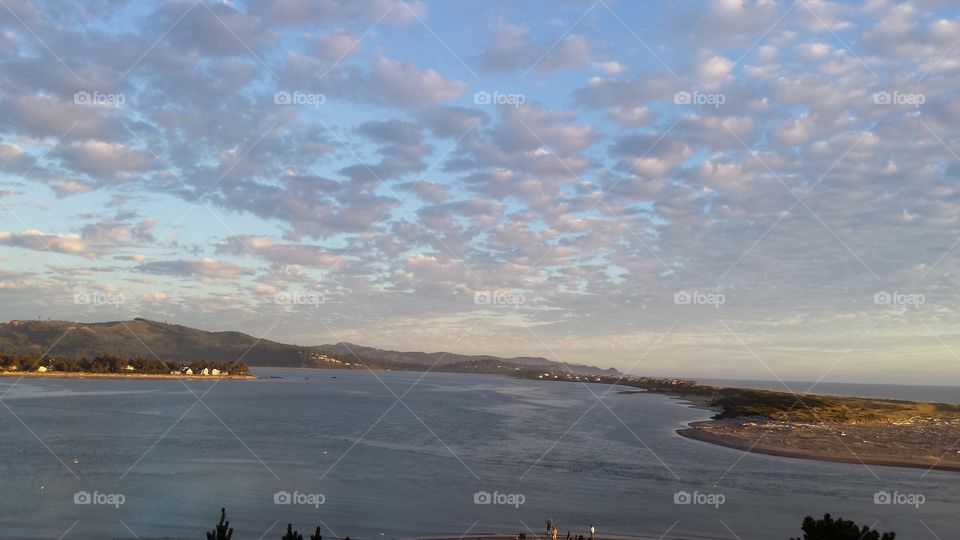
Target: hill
x=142 y=338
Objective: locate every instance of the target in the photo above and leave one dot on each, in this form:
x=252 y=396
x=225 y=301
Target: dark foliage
x=828 y=528
x=223 y=530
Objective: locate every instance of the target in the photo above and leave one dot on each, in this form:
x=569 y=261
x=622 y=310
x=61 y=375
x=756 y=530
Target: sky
x=734 y=188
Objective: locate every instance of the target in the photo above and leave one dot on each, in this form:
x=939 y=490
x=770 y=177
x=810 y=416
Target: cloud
x=101 y=159
x=212 y=28
x=70 y=244
x=714 y=72
x=277 y=253
x=631 y=116
x=203 y=268
x=65 y=188
x=511 y=49
x=305 y=12
x=389 y=82
x=611 y=66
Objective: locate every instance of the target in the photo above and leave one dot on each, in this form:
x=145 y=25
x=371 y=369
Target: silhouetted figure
x=549 y=525
x=316 y=535
x=568 y=535
x=223 y=530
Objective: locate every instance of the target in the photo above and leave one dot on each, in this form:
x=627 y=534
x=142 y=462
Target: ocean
x=395 y=455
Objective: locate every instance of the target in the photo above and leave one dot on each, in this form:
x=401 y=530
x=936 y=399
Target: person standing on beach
x=593 y=530
x=554 y=534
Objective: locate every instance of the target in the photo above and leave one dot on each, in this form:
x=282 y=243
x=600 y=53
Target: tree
x=223 y=531
x=292 y=534
x=830 y=529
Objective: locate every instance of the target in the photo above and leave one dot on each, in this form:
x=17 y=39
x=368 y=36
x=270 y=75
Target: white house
x=186 y=371
x=42 y=369
x=205 y=371
x=128 y=367
x=214 y=371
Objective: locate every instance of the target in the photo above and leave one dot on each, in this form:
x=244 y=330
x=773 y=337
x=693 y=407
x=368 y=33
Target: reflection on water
x=406 y=468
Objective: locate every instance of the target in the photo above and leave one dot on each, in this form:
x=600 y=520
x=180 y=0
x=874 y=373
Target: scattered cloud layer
x=797 y=158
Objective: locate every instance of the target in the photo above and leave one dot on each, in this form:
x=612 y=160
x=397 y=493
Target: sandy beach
x=926 y=443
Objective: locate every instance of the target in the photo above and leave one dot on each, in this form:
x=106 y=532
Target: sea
x=401 y=455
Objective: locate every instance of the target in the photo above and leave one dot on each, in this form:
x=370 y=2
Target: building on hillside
x=214 y=371
x=42 y=369
x=186 y=370
x=204 y=371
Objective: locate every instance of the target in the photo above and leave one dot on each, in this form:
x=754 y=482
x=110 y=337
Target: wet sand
x=926 y=443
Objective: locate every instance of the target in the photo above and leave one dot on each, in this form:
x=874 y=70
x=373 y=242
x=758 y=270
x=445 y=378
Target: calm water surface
x=397 y=469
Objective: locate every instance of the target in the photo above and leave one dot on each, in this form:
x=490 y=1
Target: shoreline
x=79 y=375
x=822 y=443
x=921 y=443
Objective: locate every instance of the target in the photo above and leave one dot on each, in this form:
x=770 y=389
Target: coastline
x=79 y=375
x=865 y=444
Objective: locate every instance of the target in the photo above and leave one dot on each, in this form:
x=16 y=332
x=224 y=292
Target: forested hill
x=141 y=338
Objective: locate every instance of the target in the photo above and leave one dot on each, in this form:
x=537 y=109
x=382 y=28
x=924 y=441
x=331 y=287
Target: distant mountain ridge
x=173 y=342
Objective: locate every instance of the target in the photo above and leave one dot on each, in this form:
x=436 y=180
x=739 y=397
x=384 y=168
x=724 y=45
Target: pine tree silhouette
x=223 y=531
x=292 y=534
